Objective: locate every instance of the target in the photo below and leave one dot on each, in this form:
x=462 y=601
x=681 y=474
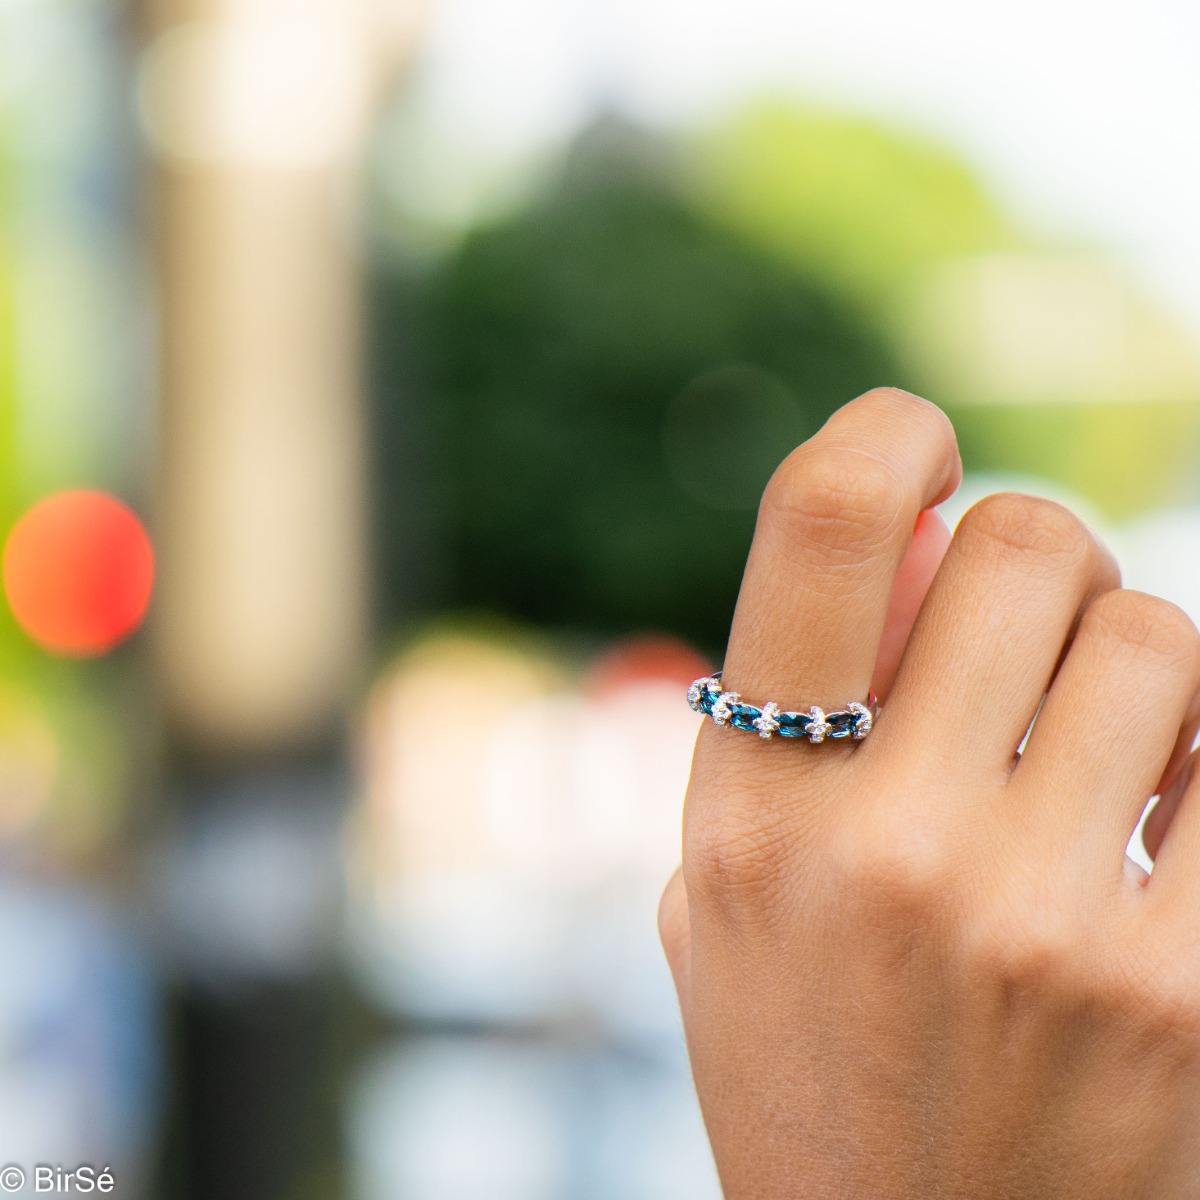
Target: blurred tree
x=1049 y=359
x=587 y=399
x=576 y=406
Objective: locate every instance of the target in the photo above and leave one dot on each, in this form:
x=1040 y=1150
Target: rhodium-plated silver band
x=708 y=696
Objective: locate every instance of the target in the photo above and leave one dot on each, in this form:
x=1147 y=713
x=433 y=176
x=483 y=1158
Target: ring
x=727 y=709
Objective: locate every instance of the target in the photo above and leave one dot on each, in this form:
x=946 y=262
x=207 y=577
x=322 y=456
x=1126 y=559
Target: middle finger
x=990 y=634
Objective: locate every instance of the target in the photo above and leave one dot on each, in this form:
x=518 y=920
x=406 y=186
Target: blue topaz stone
x=841 y=724
x=864 y=718
x=793 y=724
x=703 y=694
x=744 y=716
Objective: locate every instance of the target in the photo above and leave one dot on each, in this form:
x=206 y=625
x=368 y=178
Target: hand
x=921 y=965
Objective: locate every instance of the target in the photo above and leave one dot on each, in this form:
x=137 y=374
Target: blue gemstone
x=743 y=716
x=841 y=724
x=793 y=724
x=707 y=700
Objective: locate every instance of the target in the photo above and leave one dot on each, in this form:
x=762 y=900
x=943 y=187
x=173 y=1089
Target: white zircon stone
x=819 y=726
x=720 y=708
x=767 y=723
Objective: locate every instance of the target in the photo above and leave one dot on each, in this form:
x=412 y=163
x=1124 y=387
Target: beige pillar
x=256 y=111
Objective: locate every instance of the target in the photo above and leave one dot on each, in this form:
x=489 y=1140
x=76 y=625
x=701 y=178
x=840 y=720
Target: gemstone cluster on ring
x=708 y=696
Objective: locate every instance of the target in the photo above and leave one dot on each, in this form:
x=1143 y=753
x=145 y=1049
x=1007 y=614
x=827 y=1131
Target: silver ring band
x=727 y=709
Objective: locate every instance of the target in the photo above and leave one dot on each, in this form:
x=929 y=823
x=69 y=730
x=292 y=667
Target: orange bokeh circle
x=78 y=572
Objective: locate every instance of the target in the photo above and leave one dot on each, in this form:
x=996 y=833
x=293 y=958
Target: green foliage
x=858 y=204
x=1124 y=458
x=78 y=707
x=13 y=647
x=871 y=212
x=577 y=408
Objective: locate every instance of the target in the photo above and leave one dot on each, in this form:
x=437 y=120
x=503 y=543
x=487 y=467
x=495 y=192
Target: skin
x=921 y=965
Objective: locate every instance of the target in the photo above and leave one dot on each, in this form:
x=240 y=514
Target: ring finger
x=1112 y=720
x=832 y=529
x=990 y=634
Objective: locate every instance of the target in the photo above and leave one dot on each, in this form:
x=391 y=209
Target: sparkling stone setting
x=768 y=720
x=703 y=694
x=707 y=696
x=721 y=707
x=866 y=720
x=841 y=724
x=744 y=716
x=793 y=724
x=818 y=727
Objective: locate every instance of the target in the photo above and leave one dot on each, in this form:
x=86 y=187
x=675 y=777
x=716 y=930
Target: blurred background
x=386 y=387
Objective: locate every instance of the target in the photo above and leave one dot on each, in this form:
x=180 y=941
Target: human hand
x=921 y=965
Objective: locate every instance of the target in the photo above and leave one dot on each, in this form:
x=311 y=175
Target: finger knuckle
x=896 y=870
x=1170 y=1003
x=832 y=498
x=1011 y=523
x=1152 y=626
x=1040 y=954
x=729 y=858
x=1158 y=983
x=1023 y=952
x=913 y=410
